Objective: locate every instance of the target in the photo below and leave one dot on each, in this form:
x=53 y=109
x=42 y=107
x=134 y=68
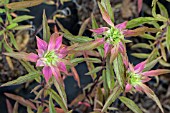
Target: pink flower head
x=136 y=77
x=50 y=56
x=112 y=35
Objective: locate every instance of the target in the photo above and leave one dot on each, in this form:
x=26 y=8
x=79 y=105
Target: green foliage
x=130 y=104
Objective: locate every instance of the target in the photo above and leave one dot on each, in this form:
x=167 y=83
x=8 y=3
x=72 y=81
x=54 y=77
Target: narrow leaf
x=24 y=4
x=83 y=27
x=46 y=29
x=168 y=38
x=119 y=70
x=163 y=10
x=141 y=45
x=152 y=95
x=130 y=104
x=21 y=100
x=23 y=79
x=138 y=21
x=95 y=70
x=51 y=106
x=22 y=18
x=22 y=27
x=140 y=55
x=164 y=63
x=113 y=96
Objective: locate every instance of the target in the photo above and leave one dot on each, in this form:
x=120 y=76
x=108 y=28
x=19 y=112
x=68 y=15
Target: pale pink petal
x=139 y=67
x=47 y=73
x=121 y=26
x=140 y=3
x=32 y=57
x=62 y=67
x=52 y=42
x=128 y=87
x=41 y=44
x=40 y=63
x=107 y=48
x=40 y=52
x=58 y=42
x=99 y=30
x=156 y=72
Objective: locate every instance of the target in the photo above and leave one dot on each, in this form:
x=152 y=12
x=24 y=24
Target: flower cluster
x=136 y=76
x=50 y=56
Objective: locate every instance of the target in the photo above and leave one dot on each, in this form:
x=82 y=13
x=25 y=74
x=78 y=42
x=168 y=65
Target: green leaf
x=11 y=26
x=152 y=95
x=5 y=1
x=40 y=109
x=29 y=110
x=62 y=28
x=2 y=10
x=153 y=55
x=13 y=41
x=148 y=36
x=8 y=48
x=163 y=10
x=9 y=17
x=83 y=27
x=151 y=64
x=113 y=96
x=2 y=32
x=109 y=10
x=168 y=38
x=95 y=70
x=26 y=78
x=79 y=60
x=24 y=4
x=46 y=29
x=119 y=70
x=154 y=8
x=51 y=106
x=22 y=18
x=94 y=23
x=27 y=66
x=164 y=63
x=79 y=39
x=138 y=21
x=109 y=74
x=61 y=91
x=141 y=45
x=163 y=53
x=140 y=55
x=91 y=45
x=22 y=27
x=106 y=88
x=1 y=20
x=130 y=104
x=57 y=98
